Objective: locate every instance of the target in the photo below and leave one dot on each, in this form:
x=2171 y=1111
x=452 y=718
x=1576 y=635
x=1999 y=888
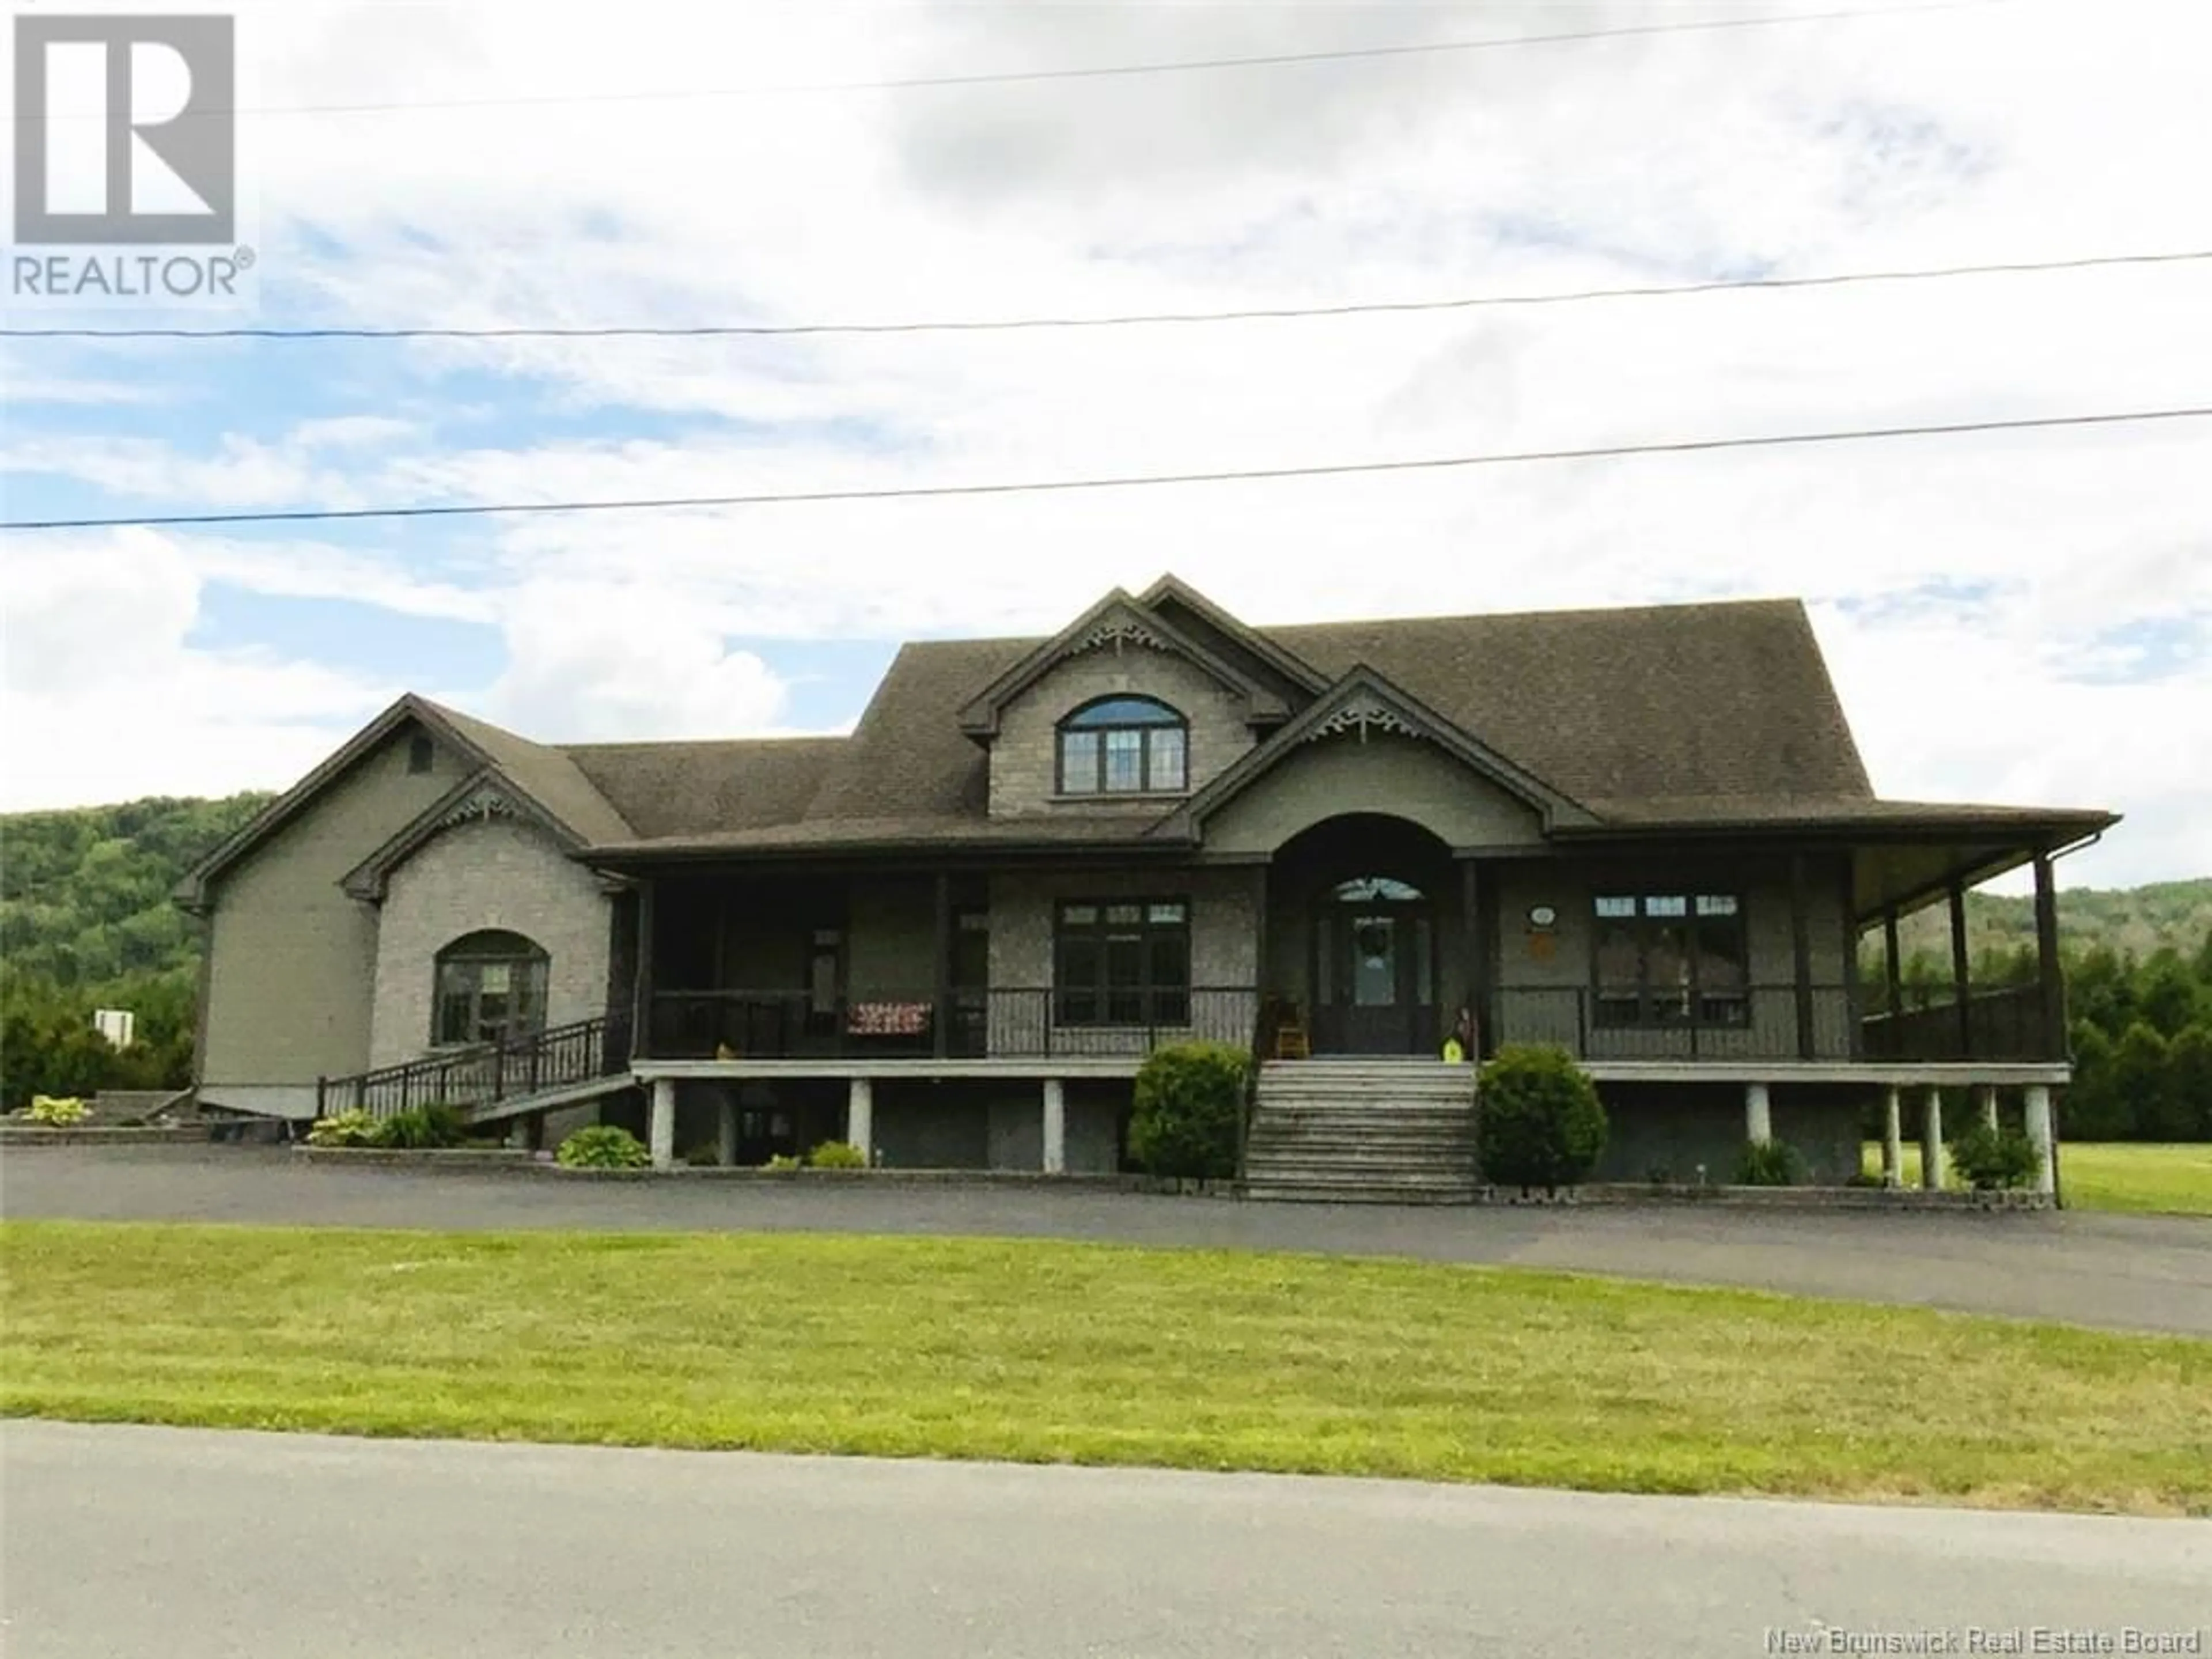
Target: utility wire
x=1678 y=446
x=998 y=325
x=1271 y=60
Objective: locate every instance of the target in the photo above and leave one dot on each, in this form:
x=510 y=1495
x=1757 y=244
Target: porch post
x=1960 y=973
x=725 y=1135
x=1055 y=1127
x=1758 y=1117
x=641 y=1013
x=1988 y=1102
x=861 y=1116
x=1801 y=955
x=1477 y=949
x=940 y=1019
x=1893 y=1140
x=1931 y=1140
x=2039 y=1136
x=1894 y=962
x=2050 y=974
x=660 y=1129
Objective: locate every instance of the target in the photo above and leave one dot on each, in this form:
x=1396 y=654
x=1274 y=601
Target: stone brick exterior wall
x=1025 y=753
x=491 y=872
x=291 y=957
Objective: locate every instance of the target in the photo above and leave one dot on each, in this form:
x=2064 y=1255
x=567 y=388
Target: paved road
x=2127 y=1272
x=188 y=1542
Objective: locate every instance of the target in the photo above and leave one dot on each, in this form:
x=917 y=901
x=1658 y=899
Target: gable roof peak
x=1118 y=620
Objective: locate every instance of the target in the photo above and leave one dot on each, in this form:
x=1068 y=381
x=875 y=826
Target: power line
x=1678 y=446
x=1271 y=60
x=997 y=325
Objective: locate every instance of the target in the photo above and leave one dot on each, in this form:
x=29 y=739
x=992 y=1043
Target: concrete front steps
x=1363 y=1132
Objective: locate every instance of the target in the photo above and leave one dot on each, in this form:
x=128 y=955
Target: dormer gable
x=1122 y=625
x=1122 y=711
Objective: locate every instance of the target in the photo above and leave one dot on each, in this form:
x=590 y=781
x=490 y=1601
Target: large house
x=951 y=937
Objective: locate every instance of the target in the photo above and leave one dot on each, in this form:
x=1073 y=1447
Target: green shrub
x=351 y=1127
x=1538 y=1123
x=1768 y=1163
x=704 y=1156
x=780 y=1163
x=603 y=1146
x=60 y=1110
x=1991 y=1158
x=1190 y=1109
x=837 y=1155
x=423 y=1128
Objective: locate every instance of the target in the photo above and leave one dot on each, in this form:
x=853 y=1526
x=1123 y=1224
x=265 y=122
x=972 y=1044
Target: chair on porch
x=1292 y=1041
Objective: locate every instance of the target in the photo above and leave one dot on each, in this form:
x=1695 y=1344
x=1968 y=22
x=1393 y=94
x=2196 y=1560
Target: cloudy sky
x=2014 y=618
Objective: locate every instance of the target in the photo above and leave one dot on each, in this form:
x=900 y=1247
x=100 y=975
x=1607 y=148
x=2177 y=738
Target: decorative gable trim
x=482 y=797
x=1365 y=704
x=1115 y=632
x=1116 y=623
x=1359 y=716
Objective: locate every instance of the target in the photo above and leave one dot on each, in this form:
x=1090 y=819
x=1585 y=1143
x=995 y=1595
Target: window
x=1670 y=959
x=490 y=986
x=1124 y=746
x=1122 y=962
x=421 y=753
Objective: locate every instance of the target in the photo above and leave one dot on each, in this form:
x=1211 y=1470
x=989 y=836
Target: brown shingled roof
x=1729 y=699
x=546 y=773
x=676 y=788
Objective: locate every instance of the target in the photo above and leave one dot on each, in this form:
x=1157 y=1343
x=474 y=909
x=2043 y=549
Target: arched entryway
x=1367 y=898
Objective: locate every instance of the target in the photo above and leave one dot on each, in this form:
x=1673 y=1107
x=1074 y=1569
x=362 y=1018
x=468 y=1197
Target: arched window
x=491 y=986
x=1124 y=746
x=1372 y=890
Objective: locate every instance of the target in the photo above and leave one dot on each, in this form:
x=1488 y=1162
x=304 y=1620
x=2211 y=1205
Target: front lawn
x=2137 y=1176
x=1047 y=1351
x=2175 y=1180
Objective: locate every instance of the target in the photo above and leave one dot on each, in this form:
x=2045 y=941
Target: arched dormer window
x=1124 y=746
x=491 y=986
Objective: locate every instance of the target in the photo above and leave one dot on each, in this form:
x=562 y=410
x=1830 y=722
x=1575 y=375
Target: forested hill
x=2128 y=922
x=85 y=894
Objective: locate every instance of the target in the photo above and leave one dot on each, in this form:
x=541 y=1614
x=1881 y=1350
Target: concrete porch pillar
x=660 y=1127
x=1931 y=1140
x=2039 y=1135
x=1758 y=1114
x=726 y=1131
x=1055 y=1127
x=1892 y=1139
x=861 y=1116
x=1986 y=1099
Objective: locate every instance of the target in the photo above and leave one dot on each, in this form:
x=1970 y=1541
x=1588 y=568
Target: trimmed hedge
x=1538 y=1123
x=1190 y=1110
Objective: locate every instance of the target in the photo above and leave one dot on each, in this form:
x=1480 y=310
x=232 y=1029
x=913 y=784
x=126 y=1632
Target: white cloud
x=2006 y=580
x=106 y=699
x=603 y=662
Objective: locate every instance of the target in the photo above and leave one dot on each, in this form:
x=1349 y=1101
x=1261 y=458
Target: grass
x=2119 y=1175
x=2144 y=1177
x=1047 y=1351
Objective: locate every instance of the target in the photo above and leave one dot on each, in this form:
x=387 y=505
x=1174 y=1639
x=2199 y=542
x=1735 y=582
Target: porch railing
x=1761 y=1022
x=1752 y=1022
x=1003 y=1022
x=483 y=1073
x=2003 y=1024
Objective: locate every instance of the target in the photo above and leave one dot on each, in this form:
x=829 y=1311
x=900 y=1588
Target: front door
x=1375 y=971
